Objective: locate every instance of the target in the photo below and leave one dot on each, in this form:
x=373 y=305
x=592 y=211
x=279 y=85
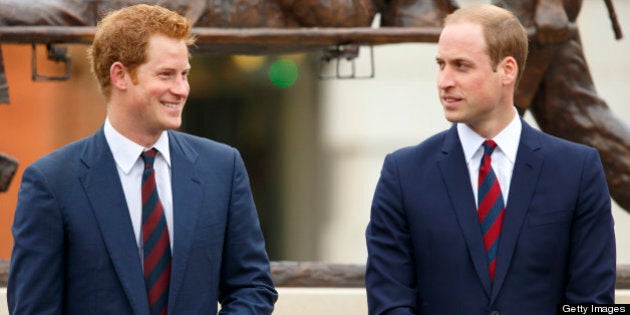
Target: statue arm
x=39 y=12
x=552 y=22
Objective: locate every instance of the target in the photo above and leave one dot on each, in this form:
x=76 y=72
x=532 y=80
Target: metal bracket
x=8 y=165
x=344 y=52
x=56 y=54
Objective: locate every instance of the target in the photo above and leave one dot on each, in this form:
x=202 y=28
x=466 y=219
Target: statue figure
x=556 y=85
x=212 y=13
x=558 y=89
x=414 y=13
x=202 y=13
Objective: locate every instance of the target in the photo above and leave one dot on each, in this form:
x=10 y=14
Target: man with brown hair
x=491 y=216
x=138 y=218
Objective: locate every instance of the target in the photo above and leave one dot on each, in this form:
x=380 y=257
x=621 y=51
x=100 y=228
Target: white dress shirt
x=503 y=156
x=130 y=167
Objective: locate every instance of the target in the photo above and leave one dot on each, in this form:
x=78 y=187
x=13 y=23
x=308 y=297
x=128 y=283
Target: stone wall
x=327 y=275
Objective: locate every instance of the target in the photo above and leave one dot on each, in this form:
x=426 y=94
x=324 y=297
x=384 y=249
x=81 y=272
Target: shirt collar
x=507 y=140
x=127 y=152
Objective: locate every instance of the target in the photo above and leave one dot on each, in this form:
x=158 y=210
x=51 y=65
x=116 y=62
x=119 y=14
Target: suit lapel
x=103 y=189
x=186 y=202
x=525 y=176
x=455 y=176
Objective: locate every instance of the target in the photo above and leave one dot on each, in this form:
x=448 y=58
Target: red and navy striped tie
x=491 y=206
x=155 y=240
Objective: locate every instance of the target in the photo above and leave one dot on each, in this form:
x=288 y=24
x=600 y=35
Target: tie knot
x=149 y=157
x=489 y=146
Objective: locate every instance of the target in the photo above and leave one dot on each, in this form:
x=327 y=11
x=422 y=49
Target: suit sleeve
x=37 y=268
x=592 y=264
x=246 y=286
x=390 y=278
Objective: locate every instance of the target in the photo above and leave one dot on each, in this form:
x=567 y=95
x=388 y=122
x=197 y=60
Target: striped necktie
x=491 y=206
x=155 y=240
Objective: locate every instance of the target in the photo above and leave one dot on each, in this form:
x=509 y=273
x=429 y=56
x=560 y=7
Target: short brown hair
x=504 y=34
x=123 y=35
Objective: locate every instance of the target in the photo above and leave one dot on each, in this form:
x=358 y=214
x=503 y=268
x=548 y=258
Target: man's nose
x=181 y=86
x=444 y=79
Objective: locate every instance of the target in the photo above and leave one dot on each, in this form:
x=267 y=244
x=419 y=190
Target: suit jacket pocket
x=549 y=218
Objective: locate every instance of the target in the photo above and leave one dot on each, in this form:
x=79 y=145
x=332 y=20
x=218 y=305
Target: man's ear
x=118 y=76
x=510 y=70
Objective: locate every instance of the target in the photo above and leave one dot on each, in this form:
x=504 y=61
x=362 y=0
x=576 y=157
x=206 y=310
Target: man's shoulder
x=62 y=163
x=558 y=146
x=65 y=154
x=206 y=147
x=426 y=147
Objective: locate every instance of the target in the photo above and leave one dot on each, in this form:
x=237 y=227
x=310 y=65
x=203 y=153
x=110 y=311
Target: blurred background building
x=313 y=148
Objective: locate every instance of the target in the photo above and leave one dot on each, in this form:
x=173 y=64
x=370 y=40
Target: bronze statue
x=558 y=89
x=235 y=14
x=414 y=13
x=556 y=86
x=212 y=13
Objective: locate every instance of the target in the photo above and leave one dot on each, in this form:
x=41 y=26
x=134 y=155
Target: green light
x=283 y=73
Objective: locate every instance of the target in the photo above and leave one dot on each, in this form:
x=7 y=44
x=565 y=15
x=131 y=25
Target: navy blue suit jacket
x=425 y=248
x=75 y=251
